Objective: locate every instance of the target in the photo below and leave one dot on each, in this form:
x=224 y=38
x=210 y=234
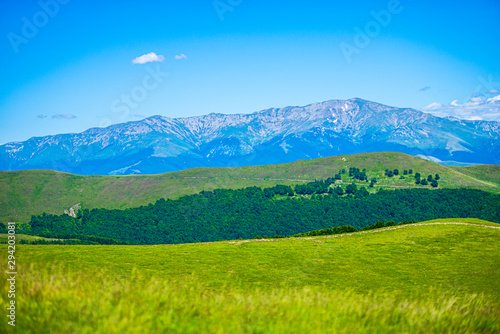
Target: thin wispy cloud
x=63 y=116
x=181 y=56
x=41 y=116
x=478 y=107
x=426 y=88
x=148 y=58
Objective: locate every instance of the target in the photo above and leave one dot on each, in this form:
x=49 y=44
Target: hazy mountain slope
x=160 y=144
x=23 y=193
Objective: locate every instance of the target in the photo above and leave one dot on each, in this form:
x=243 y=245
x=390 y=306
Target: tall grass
x=53 y=300
x=418 y=279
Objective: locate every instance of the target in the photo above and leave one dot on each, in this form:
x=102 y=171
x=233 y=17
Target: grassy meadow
x=427 y=279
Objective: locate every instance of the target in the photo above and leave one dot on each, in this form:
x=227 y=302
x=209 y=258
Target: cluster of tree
x=391 y=173
x=349 y=229
x=226 y=214
x=357 y=174
x=430 y=180
x=316 y=187
x=327 y=231
x=276 y=190
x=418 y=177
x=395 y=172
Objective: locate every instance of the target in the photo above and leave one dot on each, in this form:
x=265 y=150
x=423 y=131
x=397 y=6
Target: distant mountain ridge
x=160 y=144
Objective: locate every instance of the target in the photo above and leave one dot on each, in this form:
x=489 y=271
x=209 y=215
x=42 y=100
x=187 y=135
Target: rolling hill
x=23 y=193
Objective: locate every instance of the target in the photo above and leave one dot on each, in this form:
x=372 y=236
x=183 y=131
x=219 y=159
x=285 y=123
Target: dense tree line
x=225 y=214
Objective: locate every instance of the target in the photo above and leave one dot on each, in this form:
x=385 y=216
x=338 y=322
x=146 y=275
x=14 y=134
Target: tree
x=410 y=171
x=351 y=189
x=417 y=175
x=362 y=192
x=434 y=183
x=339 y=191
x=429 y=178
x=405 y=172
x=389 y=173
x=396 y=172
x=338 y=177
x=437 y=177
x=423 y=182
x=268 y=192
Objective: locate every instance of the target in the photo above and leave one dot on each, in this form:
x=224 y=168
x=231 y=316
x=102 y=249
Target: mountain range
x=160 y=144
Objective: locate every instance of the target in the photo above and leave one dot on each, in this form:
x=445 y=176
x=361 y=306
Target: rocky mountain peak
x=160 y=144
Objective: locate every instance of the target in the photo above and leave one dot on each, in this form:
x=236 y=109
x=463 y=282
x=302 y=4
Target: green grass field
x=24 y=193
x=418 y=279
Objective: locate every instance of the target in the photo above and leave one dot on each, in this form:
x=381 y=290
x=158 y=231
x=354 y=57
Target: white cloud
x=181 y=56
x=433 y=106
x=476 y=108
x=148 y=58
x=474 y=118
x=494 y=99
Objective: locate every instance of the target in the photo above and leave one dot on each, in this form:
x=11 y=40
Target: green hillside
x=23 y=193
x=417 y=278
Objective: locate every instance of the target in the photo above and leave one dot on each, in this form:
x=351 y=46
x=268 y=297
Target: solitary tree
x=396 y=172
x=410 y=171
x=434 y=183
x=429 y=178
x=423 y=182
x=437 y=177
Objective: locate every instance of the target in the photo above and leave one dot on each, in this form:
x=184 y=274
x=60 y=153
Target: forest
x=226 y=214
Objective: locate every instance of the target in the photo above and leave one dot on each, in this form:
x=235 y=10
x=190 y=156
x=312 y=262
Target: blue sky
x=67 y=64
